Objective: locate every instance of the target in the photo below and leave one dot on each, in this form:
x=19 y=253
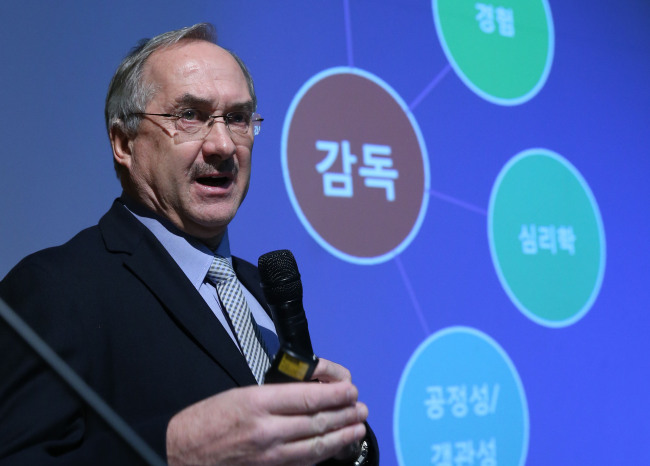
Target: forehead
x=197 y=68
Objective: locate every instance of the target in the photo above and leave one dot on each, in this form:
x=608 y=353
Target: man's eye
x=189 y=115
x=238 y=118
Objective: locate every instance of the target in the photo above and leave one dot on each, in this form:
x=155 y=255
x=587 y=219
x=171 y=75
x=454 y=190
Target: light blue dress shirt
x=194 y=258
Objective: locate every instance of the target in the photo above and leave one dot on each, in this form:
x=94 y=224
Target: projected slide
x=356 y=170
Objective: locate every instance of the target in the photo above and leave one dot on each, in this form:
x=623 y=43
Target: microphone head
x=280 y=278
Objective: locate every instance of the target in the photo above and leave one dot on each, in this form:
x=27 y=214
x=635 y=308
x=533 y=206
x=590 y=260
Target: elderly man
x=137 y=306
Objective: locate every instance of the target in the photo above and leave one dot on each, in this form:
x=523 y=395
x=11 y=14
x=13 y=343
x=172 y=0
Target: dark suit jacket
x=118 y=309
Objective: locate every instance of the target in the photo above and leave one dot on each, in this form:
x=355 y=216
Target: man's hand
x=283 y=424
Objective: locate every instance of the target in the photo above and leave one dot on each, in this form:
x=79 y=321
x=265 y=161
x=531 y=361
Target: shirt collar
x=191 y=255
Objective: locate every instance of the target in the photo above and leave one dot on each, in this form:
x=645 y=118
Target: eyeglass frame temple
x=212 y=117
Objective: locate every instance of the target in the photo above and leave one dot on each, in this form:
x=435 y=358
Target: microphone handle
x=295 y=360
x=292 y=327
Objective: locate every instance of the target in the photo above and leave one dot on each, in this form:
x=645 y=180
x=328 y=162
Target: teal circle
x=425 y=423
x=502 y=51
x=546 y=238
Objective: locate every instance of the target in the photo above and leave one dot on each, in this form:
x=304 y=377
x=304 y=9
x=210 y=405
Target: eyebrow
x=190 y=100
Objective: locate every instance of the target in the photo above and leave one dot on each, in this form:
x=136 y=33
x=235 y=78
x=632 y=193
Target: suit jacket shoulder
x=118 y=309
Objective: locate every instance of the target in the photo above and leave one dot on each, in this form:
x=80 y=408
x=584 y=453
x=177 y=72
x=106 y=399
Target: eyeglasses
x=194 y=125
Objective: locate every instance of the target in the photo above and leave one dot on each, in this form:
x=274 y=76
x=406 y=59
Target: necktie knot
x=220 y=271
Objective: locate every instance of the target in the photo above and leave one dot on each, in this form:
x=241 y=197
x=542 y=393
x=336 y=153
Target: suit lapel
x=147 y=259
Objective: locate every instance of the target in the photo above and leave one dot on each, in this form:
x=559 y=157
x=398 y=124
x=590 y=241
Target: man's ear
x=122 y=147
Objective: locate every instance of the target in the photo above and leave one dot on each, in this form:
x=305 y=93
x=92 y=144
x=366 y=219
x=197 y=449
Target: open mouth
x=214 y=181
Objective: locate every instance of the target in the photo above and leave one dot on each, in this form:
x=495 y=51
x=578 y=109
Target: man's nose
x=218 y=140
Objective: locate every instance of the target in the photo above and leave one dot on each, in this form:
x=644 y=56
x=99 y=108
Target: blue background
x=586 y=384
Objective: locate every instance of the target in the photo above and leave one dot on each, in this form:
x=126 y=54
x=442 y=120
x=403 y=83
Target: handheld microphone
x=280 y=281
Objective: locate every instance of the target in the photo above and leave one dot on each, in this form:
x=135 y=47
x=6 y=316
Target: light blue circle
x=287 y=180
x=448 y=360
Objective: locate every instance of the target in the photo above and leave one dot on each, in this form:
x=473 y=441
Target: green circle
x=501 y=50
x=546 y=238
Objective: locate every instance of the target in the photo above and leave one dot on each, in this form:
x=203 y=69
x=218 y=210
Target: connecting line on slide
x=458 y=202
x=425 y=92
x=417 y=102
x=411 y=293
x=402 y=271
x=444 y=197
x=430 y=87
x=348 y=32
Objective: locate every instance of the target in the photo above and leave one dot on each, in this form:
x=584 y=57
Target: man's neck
x=142 y=210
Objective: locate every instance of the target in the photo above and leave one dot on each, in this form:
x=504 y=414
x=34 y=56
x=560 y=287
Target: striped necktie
x=232 y=298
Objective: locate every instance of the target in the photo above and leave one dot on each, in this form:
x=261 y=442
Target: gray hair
x=128 y=93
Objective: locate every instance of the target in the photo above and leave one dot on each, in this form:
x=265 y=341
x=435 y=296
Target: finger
x=295 y=427
x=328 y=371
x=318 y=448
x=349 y=452
x=306 y=398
